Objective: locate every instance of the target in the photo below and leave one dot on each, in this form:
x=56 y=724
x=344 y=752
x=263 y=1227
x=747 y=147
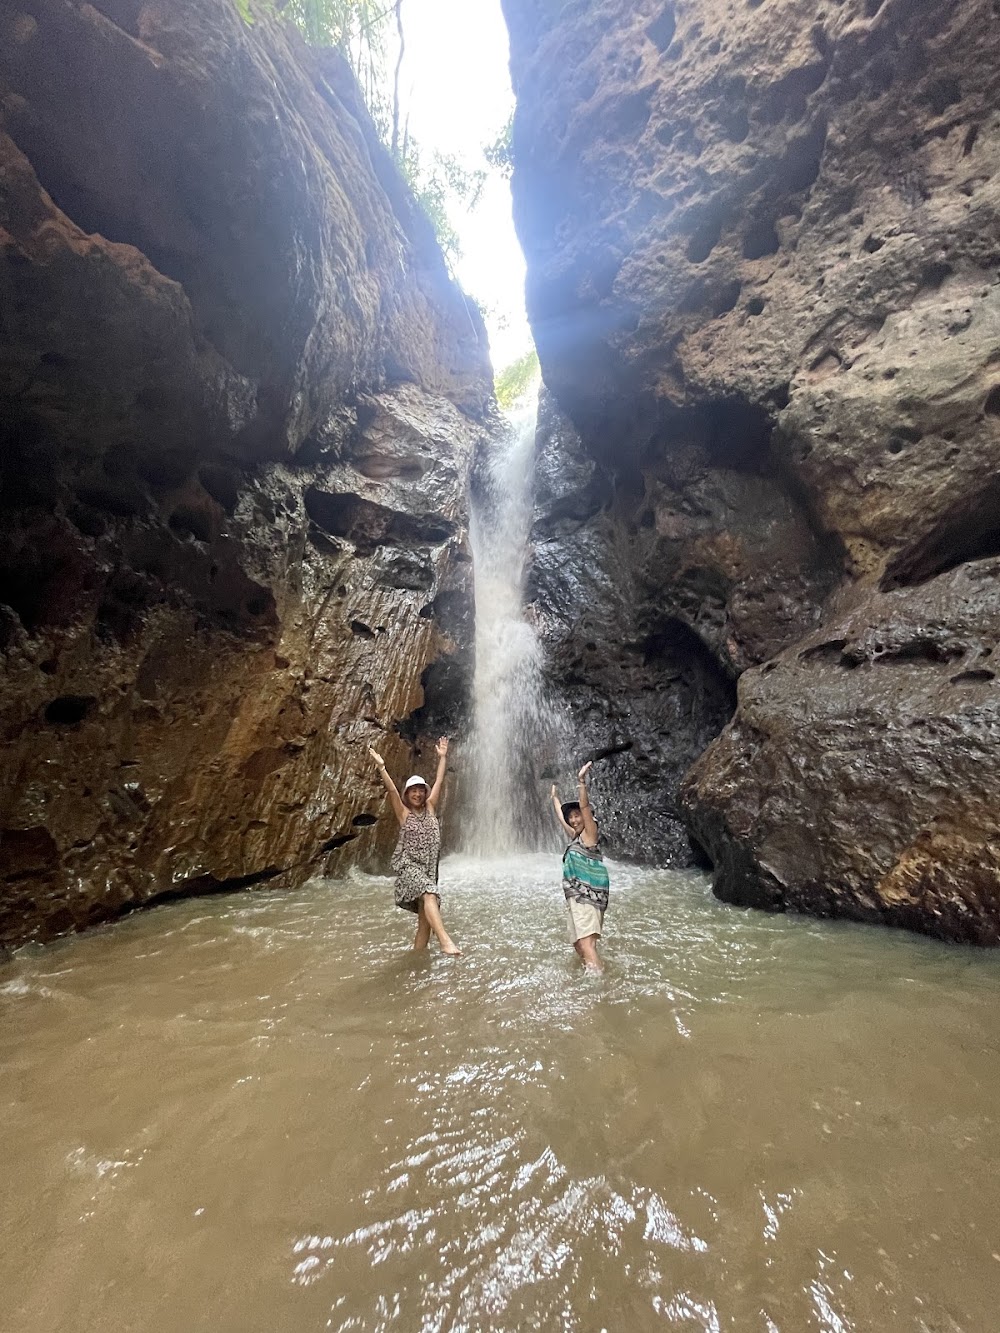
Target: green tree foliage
x=339 y=23
x=358 y=28
x=515 y=380
x=499 y=153
x=437 y=187
x=342 y=23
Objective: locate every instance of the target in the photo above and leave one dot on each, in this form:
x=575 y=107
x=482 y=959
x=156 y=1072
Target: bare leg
x=423 y=935
x=587 y=949
x=432 y=912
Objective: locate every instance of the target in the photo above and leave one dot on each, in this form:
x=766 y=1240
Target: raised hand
x=441 y=749
x=377 y=757
x=554 y=793
x=582 y=775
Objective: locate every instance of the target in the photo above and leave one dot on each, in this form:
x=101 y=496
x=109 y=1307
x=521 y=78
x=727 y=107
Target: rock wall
x=239 y=395
x=642 y=694
x=762 y=252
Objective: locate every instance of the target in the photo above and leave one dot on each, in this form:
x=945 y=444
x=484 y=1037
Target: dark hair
x=568 y=807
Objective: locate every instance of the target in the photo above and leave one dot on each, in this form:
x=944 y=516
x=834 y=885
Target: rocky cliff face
x=763 y=281
x=239 y=398
x=640 y=691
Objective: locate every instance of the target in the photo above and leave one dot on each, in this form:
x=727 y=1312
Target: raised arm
x=589 y=835
x=398 y=808
x=441 y=750
x=557 y=806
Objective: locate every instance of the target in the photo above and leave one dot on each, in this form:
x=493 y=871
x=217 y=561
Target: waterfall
x=509 y=712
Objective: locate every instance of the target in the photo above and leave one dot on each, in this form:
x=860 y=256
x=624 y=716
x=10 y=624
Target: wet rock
x=654 y=586
x=859 y=775
x=239 y=399
x=636 y=689
x=762 y=279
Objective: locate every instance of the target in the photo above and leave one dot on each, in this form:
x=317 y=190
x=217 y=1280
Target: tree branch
x=395 y=88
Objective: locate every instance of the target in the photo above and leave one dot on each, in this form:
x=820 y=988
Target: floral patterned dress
x=415 y=859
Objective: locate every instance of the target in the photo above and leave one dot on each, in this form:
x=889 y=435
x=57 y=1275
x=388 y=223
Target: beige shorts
x=582 y=919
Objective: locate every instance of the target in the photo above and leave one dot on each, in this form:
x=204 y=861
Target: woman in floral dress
x=415 y=859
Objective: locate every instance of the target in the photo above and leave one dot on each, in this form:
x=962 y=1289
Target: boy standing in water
x=585 y=876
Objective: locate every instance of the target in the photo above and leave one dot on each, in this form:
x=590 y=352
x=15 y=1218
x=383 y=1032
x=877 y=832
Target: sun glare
x=455 y=99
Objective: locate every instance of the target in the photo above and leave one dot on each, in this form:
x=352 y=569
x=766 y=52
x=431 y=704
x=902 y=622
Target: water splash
x=510 y=716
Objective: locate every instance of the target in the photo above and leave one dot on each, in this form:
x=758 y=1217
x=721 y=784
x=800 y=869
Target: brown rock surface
x=238 y=396
x=762 y=252
x=859 y=776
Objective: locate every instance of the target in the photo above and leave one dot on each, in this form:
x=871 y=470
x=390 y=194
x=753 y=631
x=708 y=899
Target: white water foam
x=510 y=715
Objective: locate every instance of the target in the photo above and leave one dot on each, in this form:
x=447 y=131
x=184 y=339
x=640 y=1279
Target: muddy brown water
x=260 y=1112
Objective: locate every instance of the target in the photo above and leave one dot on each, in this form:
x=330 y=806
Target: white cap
x=415 y=781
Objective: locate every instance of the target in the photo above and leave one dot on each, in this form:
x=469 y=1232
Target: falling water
x=509 y=718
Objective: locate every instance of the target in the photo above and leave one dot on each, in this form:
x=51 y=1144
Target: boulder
x=859 y=776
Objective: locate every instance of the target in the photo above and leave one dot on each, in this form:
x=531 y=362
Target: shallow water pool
x=261 y=1112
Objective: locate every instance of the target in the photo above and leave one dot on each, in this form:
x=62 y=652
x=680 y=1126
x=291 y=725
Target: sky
x=455 y=89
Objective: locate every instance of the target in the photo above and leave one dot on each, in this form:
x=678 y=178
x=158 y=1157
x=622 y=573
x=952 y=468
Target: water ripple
x=264 y=1111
